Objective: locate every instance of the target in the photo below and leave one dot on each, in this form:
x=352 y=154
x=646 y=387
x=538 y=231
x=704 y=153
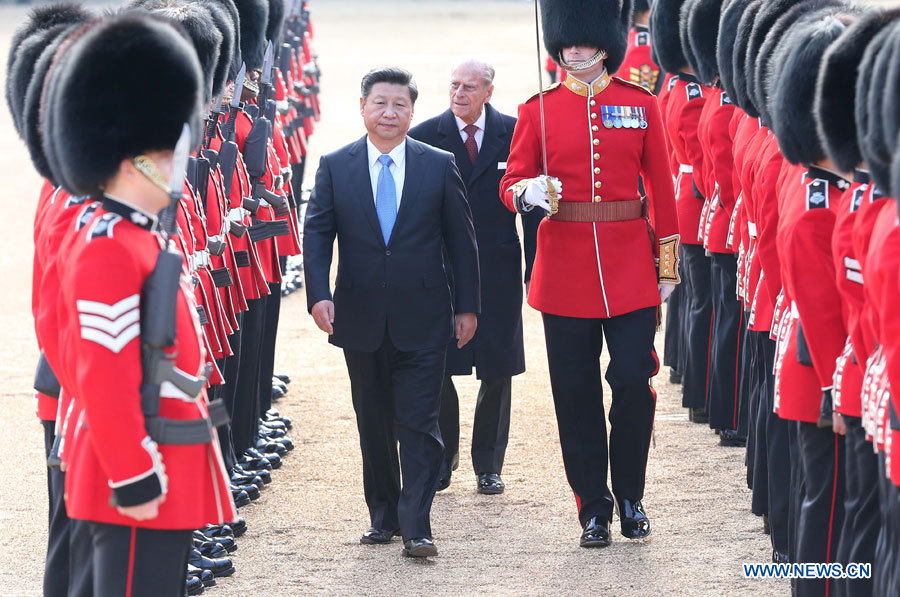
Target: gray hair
x=483 y=68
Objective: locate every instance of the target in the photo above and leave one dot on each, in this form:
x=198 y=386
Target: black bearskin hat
x=703 y=31
x=890 y=107
x=224 y=24
x=641 y=6
x=684 y=34
x=728 y=24
x=201 y=29
x=867 y=124
x=879 y=103
x=45 y=17
x=95 y=98
x=254 y=16
x=739 y=59
x=792 y=109
x=665 y=31
x=835 y=104
x=601 y=24
x=236 y=58
x=276 y=22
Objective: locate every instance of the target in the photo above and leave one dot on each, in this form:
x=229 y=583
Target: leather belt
x=604 y=211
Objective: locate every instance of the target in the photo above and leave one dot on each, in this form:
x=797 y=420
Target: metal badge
x=643 y=118
x=618 y=121
x=607 y=118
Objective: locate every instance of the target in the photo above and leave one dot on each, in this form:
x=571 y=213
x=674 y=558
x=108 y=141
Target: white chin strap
x=599 y=56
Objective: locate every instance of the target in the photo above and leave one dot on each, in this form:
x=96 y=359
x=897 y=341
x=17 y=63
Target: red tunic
x=638 y=66
x=595 y=269
x=718 y=152
x=805 y=227
x=110 y=453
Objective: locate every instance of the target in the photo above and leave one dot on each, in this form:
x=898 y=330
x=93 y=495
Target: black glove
x=825 y=411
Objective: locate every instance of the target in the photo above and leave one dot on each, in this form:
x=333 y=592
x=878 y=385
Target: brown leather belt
x=604 y=211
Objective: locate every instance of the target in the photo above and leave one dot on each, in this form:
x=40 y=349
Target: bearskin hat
x=875 y=145
x=601 y=24
x=792 y=109
x=276 y=22
x=641 y=6
x=728 y=23
x=97 y=91
x=890 y=107
x=236 y=58
x=254 y=16
x=684 y=34
x=45 y=17
x=224 y=24
x=867 y=124
x=739 y=59
x=665 y=31
x=835 y=102
x=703 y=31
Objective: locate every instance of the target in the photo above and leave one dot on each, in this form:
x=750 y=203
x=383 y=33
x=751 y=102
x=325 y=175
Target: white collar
x=398 y=154
x=461 y=124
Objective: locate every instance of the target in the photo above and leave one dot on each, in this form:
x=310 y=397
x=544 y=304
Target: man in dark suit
x=479 y=137
x=398 y=208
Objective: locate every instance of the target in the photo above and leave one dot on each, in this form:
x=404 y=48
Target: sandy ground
x=304 y=531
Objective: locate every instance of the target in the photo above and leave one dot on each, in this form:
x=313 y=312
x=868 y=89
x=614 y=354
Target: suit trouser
x=695 y=383
x=56 y=566
x=778 y=462
x=822 y=511
x=574 y=346
x=245 y=423
x=133 y=561
x=862 y=519
x=490 y=431
x=760 y=405
x=396 y=396
x=726 y=343
x=267 y=349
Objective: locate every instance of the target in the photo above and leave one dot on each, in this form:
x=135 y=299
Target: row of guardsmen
x=155 y=392
x=782 y=127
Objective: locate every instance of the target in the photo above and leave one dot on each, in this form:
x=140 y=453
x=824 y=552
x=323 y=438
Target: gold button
x=595 y=128
x=596 y=156
x=593 y=103
x=598 y=184
x=596 y=141
x=596 y=198
x=593 y=115
x=597 y=170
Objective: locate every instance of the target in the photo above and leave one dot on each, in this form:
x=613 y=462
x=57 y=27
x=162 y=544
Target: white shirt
x=398 y=167
x=479 y=134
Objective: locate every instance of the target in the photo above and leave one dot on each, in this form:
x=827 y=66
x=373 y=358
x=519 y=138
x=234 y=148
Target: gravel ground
x=303 y=533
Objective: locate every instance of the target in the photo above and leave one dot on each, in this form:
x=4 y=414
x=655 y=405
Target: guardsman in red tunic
x=144 y=465
x=33 y=45
x=814 y=336
x=596 y=271
x=685 y=102
x=835 y=100
x=638 y=66
x=701 y=28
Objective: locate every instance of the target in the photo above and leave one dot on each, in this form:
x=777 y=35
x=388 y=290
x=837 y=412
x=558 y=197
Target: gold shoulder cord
x=148 y=168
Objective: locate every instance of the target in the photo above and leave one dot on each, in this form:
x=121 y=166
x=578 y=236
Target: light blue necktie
x=386 y=198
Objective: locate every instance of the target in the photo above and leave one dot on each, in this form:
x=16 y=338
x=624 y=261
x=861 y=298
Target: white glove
x=665 y=290
x=537 y=195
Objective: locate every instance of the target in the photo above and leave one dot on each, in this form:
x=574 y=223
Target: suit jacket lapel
x=360 y=179
x=494 y=130
x=452 y=142
x=411 y=183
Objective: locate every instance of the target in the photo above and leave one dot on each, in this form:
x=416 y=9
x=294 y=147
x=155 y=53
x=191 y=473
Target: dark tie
x=471 y=144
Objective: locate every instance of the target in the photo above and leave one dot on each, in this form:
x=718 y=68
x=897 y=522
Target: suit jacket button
x=388 y=253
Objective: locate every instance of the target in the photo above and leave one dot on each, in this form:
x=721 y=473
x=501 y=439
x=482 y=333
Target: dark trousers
x=725 y=346
x=884 y=560
x=267 y=349
x=245 y=421
x=778 y=462
x=695 y=383
x=56 y=566
x=862 y=519
x=396 y=396
x=573 y=352
x=228 y=393
x=822 y=511
x=798 y=489
x=136 y=562
x=760 y=404
x=490 y=431
x=747 y=384
x=674 y=333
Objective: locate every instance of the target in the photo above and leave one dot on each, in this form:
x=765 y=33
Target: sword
x=551 y=190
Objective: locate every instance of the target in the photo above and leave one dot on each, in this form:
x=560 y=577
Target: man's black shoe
x=730 y=437
x=698 y=415
x=635 y=524
x=218 y=566
x=206 y=576
x=674 y=376
x=241 y=498
x=490 y=484
x=419 y=548
x=780 y=557
x=283 y=378
x=247 y=471
x=193 y=586
x=378 y=536
x=596 y=533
